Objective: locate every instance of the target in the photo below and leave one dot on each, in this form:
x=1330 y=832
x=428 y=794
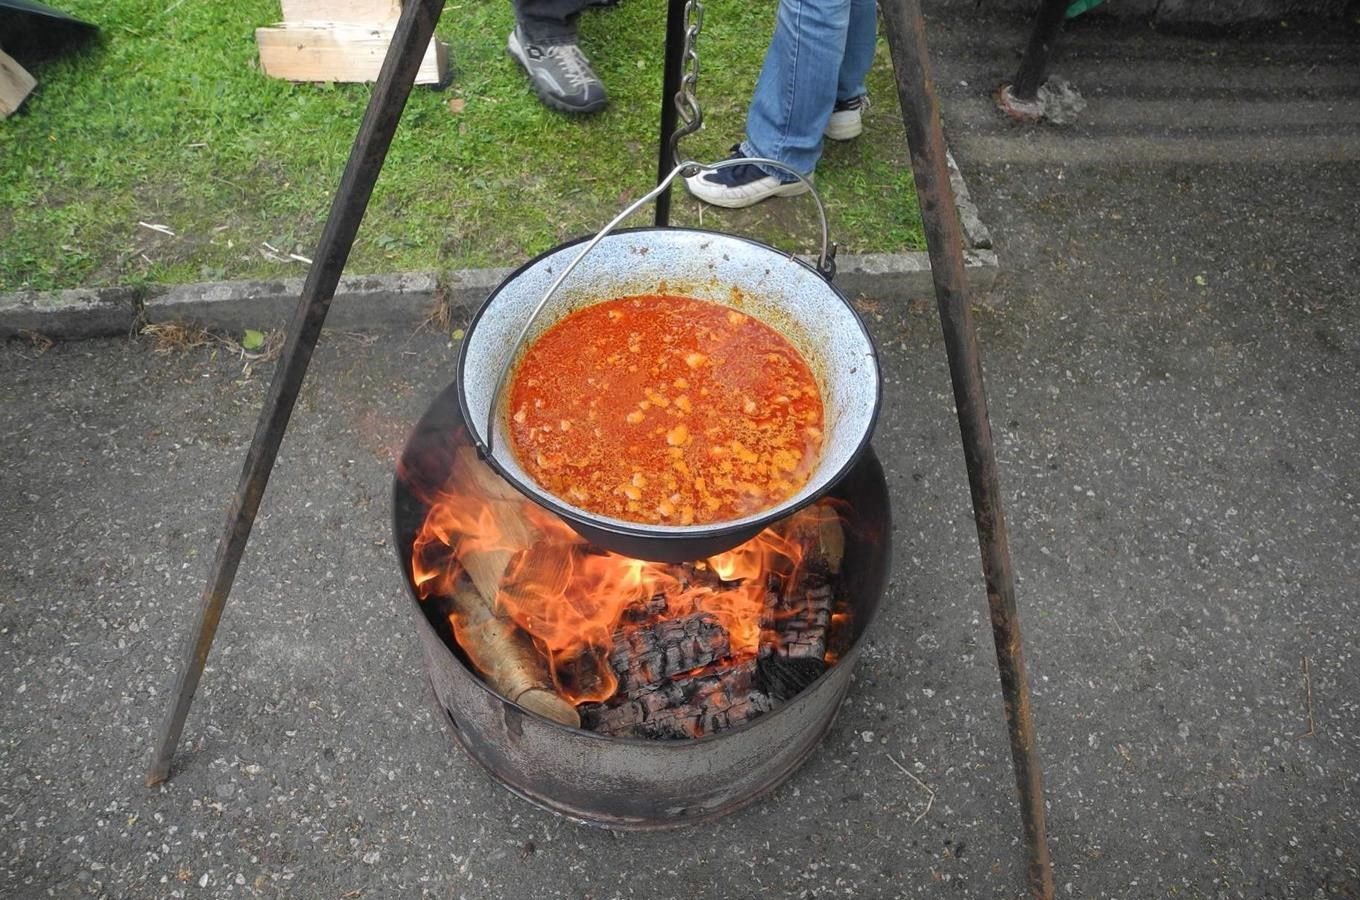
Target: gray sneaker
x=560 y=73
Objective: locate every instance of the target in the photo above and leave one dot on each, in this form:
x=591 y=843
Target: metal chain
x=686 y=102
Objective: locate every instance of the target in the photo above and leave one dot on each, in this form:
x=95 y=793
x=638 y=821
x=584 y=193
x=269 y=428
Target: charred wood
x=505 y=655
x=786 y=678
x=685 y=707
x=640 y=611
x=642 y=657
x=699 y=575
x=796 y=627
x=818 y=529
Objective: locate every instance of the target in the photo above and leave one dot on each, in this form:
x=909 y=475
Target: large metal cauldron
x=785 y=293
x=628 y=782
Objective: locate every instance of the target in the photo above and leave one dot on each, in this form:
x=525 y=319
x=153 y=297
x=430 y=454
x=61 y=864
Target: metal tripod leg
x=1034 y=64
x=413 y=32
x=670 y=84
x=944 y=239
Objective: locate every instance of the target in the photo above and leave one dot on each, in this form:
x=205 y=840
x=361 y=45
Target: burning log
x=685 y=707
x=701 y=575
x=505 y=655
x=801 y=617
x=818 y=530
x=641 y=611
x=641 y=657
x=793 y=645
x=656 y=699
x=549 y=621
x=505 y=505
x=798 y=616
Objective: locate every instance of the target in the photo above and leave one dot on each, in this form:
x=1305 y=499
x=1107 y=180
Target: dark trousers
x=546 y=21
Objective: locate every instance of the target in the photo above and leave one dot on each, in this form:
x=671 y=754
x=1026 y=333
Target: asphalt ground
x=1172 y=356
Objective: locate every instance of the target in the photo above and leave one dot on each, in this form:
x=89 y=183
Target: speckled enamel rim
x=806 y=305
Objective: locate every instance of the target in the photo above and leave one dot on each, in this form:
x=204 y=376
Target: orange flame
x=570 y=597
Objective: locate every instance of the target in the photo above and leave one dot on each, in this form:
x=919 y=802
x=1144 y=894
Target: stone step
x=1051 y=148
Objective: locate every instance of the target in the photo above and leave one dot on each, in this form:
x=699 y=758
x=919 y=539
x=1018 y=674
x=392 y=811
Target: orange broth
x=667 y=410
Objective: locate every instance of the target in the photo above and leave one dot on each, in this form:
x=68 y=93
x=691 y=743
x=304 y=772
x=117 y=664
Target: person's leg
x=860 y=41
x=852 y=98
x=544 y=43
x=790 y=107
x=797 y=86
x=548 y=21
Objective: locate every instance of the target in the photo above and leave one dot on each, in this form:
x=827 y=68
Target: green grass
x=168 y=120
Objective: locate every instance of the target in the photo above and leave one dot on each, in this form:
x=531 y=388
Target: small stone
x=371 y=857
x=867 y=737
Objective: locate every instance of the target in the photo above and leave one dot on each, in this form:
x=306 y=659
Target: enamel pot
x=789 y=295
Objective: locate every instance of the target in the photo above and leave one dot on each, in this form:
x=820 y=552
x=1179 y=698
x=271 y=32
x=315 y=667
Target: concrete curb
x=406 y=299
x=399 y=300
x=362 y=301
x=70 y=314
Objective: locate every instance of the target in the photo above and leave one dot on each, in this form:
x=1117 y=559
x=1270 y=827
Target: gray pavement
x=1173 y=358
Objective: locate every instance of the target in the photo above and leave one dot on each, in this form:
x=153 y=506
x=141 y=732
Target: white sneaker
x=736 y=187
x=847 y=120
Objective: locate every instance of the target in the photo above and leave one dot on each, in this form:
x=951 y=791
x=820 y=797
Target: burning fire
x=569 y=597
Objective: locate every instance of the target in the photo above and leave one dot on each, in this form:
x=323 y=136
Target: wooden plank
x=15 y=84
x=338 y=53
x=356 y=12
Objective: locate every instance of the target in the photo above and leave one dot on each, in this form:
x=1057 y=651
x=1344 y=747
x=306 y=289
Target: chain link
x=686 y=102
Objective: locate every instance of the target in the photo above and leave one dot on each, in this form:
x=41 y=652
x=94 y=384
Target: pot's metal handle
x=826 y=259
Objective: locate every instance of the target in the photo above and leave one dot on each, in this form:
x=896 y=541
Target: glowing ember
x=572 y=599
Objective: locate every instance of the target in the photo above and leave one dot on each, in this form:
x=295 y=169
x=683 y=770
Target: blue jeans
x=820 y=53
x=548 y=21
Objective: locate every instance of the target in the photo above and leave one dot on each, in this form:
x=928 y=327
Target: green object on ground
x=168 y=122
x=1081 y=6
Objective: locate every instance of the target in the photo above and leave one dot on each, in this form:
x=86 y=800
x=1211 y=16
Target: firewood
x=793 y=645
x=474 y=478
x=15 y=84
x=686 y=707
x=699 y=575
x=818 y=529
x=786 y=678
x=641 y=611
x=505 y=656
x=642 y=657
x=801 y=618
x=797 y=620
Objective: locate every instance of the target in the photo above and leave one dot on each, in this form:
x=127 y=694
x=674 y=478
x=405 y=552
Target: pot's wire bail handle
x=826 y=258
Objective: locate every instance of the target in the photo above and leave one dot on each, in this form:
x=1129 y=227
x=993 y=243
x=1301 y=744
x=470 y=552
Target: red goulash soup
x=667 y=410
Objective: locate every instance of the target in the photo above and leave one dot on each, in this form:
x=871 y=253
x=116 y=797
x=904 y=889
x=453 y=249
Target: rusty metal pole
x=1034 y=64
x=944 y=239
x=412 y=37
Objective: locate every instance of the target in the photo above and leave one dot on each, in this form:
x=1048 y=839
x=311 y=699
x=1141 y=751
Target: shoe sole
x=792 y=189
x=516 y=52
x=845 y=132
